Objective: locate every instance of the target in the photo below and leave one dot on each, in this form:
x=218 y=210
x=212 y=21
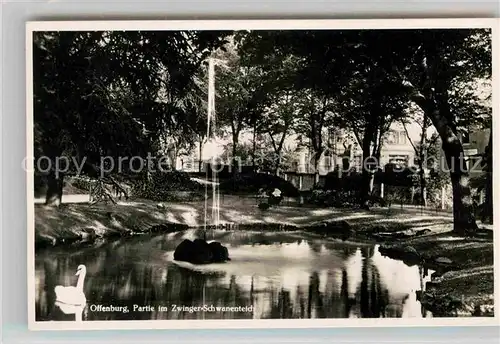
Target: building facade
x=396 y=148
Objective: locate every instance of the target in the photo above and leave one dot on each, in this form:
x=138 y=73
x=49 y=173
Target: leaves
x=114 y=92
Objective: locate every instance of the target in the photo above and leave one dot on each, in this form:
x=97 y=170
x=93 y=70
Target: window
x=391 y=138
x=357 y=162
x=402 y=137
x=399 y=159
x=327 y=163
x=396 y=138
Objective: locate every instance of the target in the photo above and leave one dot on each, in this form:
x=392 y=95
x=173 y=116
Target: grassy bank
x=462 y=283
x=77 y=221
x=463 y=279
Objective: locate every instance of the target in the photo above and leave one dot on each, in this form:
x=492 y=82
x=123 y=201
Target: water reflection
x=273 y=275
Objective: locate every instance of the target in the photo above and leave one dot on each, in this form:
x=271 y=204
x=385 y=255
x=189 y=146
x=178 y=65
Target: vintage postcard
x=245 y=174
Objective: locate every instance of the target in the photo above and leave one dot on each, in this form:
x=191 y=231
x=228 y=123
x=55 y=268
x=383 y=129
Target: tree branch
x=408 y=136
x=273 y=141
x=357 y=136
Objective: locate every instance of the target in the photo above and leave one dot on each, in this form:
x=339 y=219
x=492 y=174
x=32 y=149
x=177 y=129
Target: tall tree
x=279 y=98
x=96 y=94
x=316 y=113
x=348 y=85
x=240 y=95
x=78 y=111
x=279 y=120
x=438 y=68
x=421 y=148
x=443 y=70
x=370 y=104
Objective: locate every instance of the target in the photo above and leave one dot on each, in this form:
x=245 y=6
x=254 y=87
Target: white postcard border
x=288 y=24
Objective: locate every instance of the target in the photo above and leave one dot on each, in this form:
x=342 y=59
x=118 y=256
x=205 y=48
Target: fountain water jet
x=211 y=123
x=199 y=251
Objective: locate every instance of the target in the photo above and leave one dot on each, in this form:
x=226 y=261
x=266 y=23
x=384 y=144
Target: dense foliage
x=168 y=186
x=118 y=94
x=257 y=182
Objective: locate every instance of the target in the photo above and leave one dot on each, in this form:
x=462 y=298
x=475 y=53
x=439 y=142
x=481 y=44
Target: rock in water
x=219 y=252
x=201 y=252
x=184 y=250
x=193 y=252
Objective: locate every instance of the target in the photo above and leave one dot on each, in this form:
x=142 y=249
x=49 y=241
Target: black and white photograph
x=329 y=171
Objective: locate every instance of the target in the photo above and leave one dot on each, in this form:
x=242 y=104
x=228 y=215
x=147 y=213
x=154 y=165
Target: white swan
x=72 y=296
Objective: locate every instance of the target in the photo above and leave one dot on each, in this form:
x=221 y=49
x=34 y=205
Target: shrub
x=253 y=182
x=82 y=183
x=396 y=176
x=166 y=186
x=318 y=197
x=333 y=198
x=350 y=181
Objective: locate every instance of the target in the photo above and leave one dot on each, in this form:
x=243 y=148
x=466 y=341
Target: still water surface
x=270 y=275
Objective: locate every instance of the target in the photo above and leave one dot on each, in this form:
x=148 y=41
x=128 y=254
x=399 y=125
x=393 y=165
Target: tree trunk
x=367 y=180
x=234 y=157
x=277 y=151
x=200 y=156
x=54 y=193
x=463 y=217
x=367 y=176
x=487 y=213
x=424 y=195
x=463 y=210
x=278 y=163
x=317 y=158
x=423 y=185
x=435 y=103
x=464 y=221
x=422 y=151
x=254 y=145
x=443 y=196
x=172 y=155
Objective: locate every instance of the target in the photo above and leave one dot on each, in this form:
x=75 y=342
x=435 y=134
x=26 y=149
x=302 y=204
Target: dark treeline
x=131 y=93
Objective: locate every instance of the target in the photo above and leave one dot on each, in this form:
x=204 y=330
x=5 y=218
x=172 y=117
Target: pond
x=270 y=275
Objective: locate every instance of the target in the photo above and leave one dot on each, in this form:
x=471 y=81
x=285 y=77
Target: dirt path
x=81 y=198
